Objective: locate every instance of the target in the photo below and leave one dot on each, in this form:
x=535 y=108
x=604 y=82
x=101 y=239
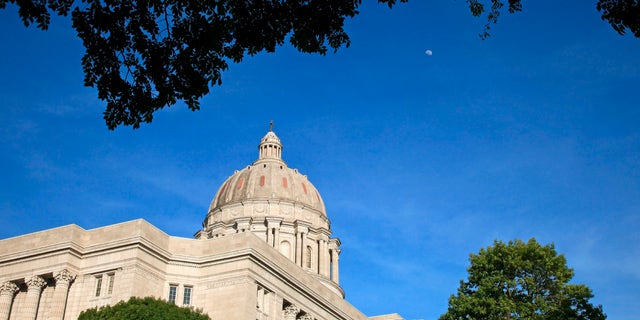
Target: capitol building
x=265 y=251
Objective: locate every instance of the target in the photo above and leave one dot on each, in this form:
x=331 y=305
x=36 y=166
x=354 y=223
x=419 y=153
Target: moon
x=428 y=52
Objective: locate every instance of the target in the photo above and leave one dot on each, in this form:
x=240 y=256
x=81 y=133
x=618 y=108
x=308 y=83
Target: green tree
x=519 y=280
x=143 y=309
x=144 y=55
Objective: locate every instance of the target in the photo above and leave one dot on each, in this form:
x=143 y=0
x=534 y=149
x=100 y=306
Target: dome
x=281 y=207
x=269 y=181
x=268 y=187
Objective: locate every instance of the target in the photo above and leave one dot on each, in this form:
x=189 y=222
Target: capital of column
x=8 y=288
x=273 y=222
x=334 y=244
x=324 y=233
x=291 y=310
x=243 y=224
x=64 y=276
x=302 y=227
x=35 y=282
x=305 y=316
x=216 y=229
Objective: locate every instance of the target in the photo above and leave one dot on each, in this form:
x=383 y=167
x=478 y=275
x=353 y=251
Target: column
x=269 y=237
x=59 y=303
x=335 y=254
x=260 y=304
x=303 y=252
x=290 y=312
x=327 y=260
x=266 y=305
x=323 y=265
x=276 y=238
x=34 y=288
x=273 y=232
x=7 y=291
x=269 y=305
x=278 y=312
x=273 y=224
x=298 y=250
x=302 y=229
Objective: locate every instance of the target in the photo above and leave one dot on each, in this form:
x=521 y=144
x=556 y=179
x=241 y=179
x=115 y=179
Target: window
x=105 y=283
x=186 y=299
x=308 y=257
x=110 y=278
x=173 y=289
x=98 y=285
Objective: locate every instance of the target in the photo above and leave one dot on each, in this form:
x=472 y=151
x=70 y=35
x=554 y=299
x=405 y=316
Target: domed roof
x=269 y=179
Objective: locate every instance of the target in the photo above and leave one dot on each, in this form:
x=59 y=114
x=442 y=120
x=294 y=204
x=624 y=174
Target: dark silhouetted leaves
x=144 y=55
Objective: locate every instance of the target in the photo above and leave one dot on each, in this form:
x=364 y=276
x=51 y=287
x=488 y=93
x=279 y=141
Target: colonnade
x=328 y=249
x=29 y=307
x=324 y=258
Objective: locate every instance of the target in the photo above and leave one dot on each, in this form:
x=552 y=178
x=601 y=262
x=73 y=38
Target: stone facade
x=264 y=252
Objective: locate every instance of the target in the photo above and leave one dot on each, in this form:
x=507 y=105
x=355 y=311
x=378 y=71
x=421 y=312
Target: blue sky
x=420 y=159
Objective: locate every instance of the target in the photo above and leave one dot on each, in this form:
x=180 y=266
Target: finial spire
x=270 y=146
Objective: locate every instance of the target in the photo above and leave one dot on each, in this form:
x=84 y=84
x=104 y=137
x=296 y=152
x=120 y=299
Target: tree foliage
x=519 y=280
x=143 y=309
x=144 y=55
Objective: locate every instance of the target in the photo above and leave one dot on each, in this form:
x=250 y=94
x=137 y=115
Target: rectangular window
x=172 y=293
x=98 y=285
x=111 y=277
x=186 y=299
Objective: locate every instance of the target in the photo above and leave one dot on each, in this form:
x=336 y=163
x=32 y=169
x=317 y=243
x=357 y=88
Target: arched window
x=308 y=257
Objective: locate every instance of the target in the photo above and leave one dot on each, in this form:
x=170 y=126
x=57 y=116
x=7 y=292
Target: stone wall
x=57 y=273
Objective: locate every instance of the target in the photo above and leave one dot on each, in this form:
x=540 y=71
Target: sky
x=420 y=159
